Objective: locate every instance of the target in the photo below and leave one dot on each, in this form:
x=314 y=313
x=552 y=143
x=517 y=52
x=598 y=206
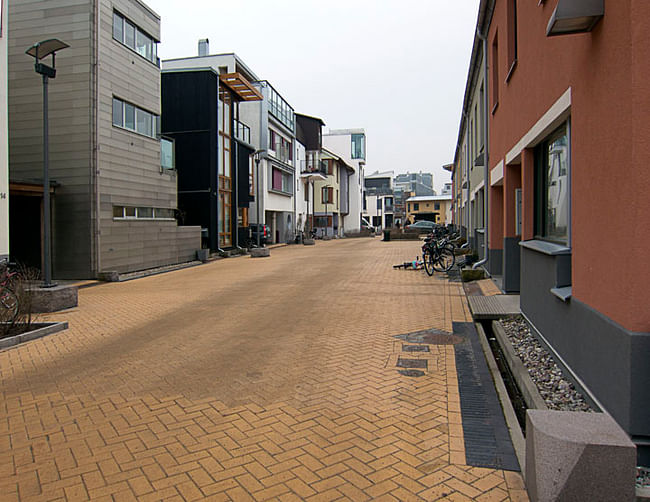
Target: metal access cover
x=415 y=348
x=411 y=363
x=411 y=373
x=430 y=337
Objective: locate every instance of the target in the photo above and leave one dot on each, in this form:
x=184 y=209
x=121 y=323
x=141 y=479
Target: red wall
x=609 y=73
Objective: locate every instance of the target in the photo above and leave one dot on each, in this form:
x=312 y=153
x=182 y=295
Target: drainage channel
x=515 y=395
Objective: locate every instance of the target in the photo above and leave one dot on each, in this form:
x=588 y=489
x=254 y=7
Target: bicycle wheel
x=427 y=258
x=8 y=304
x=444 y=260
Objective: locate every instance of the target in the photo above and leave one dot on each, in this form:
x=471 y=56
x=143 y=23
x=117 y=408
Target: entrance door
x=25 y=230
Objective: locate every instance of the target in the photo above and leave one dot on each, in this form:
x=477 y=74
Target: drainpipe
x=486 y=170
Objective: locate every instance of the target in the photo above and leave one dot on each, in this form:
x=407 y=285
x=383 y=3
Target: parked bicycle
x=8 y=297
x=437 y=253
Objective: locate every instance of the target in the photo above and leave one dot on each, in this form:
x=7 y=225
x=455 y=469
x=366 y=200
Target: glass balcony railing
x=242 y=132
x=313 y=165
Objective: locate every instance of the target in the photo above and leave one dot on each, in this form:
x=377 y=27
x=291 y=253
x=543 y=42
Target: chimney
x=204 y=47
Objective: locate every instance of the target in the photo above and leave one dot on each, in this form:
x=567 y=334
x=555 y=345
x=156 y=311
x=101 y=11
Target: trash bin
x=386 y=235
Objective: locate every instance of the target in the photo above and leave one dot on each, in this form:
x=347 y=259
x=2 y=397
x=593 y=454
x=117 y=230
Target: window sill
x=513 y=66
x=494 y=108
x=563 y=294
x=279 y=192
x=545 y=247
x=126 y=129
x=144 y=58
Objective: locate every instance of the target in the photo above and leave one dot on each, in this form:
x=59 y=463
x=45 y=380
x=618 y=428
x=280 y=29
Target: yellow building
x=428 y=207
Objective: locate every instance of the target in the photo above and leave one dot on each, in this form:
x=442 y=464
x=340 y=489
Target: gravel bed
x=643 y=477
x=558 y=392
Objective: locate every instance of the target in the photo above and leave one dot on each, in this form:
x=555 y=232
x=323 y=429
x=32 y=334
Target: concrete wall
x=4 y=136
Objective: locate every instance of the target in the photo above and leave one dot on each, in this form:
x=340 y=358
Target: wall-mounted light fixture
x=575 y=16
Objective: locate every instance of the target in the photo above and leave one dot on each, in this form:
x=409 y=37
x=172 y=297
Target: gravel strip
x=558 y=392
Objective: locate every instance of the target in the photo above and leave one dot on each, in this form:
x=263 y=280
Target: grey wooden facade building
x=113 y=200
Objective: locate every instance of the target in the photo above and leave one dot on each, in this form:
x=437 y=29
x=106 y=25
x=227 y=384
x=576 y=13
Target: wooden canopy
x=240 y=86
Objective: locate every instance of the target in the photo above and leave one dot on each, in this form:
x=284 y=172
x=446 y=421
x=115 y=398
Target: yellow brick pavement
x=245 y=379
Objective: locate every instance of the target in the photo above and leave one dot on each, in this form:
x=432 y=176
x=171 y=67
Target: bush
x=16 y=319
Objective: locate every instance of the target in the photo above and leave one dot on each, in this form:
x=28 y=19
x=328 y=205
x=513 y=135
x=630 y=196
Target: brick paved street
x=246 y=379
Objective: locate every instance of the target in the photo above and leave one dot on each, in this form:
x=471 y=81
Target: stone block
x=260 y=252
x=309 y=242
x=53 y=299
x=578 y=456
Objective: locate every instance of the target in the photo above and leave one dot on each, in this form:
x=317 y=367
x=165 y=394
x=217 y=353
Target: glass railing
x=313 y=165
x=242 y=132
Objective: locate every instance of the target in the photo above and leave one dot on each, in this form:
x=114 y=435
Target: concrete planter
x=260 y=252
x=309 y=242
x=38 y=330
x=469 y=274
x=53 y=299
x=202 y=255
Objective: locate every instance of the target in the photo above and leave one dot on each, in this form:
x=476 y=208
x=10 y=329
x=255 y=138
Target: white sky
x=394 y=67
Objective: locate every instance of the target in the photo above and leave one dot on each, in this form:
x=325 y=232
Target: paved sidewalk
x=246 y=379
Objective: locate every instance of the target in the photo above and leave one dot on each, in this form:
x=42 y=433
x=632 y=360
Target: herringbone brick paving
x=246 y=379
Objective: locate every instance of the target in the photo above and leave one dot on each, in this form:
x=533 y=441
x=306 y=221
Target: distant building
x=379 y=200
x=428 y=207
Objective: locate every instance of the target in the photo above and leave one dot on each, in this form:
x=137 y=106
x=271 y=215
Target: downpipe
x=486 y=171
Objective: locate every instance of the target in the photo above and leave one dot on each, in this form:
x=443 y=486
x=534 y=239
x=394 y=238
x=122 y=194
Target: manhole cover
x=411 y=363
x=411 y=373
x=415 y=348
x=430 y=337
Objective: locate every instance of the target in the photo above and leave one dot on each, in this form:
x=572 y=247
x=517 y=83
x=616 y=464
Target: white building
x=4 y=135
x=350 y=146
x=378 y=208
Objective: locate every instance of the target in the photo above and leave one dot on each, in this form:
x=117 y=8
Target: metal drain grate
x=415 y=348
x=411 y=363
x=430 y=337
x=411 y=373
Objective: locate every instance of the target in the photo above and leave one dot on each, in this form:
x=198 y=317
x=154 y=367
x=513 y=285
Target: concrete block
x=260 y=252
x=578 y=456
x=309 y=242
x=53 y=299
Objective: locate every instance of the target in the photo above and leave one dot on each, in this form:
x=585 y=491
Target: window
x=142 y=213
x=495 y=72
x=552 y=163
x=281 y=181
x=512 y=37
x=327 y=195
x=128 y=116
x=134 y=38
x=280 y=109
x=416 y=206
x=167 y=157
x=358 y=146
x=436 y=206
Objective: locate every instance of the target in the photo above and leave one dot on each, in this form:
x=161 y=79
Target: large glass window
x=135 y=119
x=167 y=160
x=134 y=38
x=358 y=146
x=552 y=187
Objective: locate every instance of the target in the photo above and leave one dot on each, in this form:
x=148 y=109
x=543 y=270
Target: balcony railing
x=242 y=132
x=314 y=166
x=282 y=152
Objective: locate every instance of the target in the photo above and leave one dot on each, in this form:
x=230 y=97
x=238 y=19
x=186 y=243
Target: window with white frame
x=128 y=116
x=130 y=35
x=142 y=213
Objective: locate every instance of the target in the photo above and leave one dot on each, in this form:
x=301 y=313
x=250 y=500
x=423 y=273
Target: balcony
x=242 y=132
x=282 y=152
x=313 y=168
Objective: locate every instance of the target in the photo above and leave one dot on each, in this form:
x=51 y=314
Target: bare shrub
x=16 y=299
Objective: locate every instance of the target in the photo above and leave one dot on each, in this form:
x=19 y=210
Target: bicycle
x=438 y=255
x=8 y=298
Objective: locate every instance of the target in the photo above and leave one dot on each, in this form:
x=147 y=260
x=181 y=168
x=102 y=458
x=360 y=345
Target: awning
x=240 y=86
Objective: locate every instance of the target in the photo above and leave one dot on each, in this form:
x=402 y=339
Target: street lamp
x=259 y=155
x=326 y=202
x=39 y=51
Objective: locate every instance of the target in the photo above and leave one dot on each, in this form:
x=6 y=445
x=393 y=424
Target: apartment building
x=202 y=99
x=349 y=145
x=309 y=143
x=433 y=208
x=568 y=99
x=113 y=197
x=378 y=204
x=4 y=136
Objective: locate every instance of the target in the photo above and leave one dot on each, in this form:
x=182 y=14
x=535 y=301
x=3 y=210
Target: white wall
x=341 y=145
x=301 y=203
x=4 y=137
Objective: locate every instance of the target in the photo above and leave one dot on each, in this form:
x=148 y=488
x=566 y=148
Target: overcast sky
x=397 y=68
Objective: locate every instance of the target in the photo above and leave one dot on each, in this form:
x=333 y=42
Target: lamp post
x=326 y=202
x=259 y=154
x=39 y=51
